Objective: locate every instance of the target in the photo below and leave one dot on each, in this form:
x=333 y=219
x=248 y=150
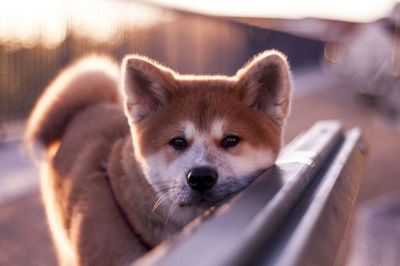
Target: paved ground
x=23 y=233
x=18 y=176
x=24 y=239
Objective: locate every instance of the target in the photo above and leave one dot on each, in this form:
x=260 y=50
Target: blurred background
x=345 y=58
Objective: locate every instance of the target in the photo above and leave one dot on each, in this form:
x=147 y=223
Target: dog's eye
x=230 y=141
x=178 y=143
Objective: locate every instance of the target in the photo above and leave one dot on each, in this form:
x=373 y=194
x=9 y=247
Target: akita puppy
x=125 y=169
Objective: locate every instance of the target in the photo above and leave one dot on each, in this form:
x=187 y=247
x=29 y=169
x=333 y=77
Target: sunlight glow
x=352 y=10
x=26 y=22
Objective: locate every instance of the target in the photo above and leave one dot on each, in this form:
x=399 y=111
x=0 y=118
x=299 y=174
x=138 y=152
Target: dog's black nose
x=202 y=178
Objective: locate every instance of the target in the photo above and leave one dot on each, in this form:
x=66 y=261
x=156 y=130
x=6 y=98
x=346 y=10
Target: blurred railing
x=35 y=45
x=296 y=213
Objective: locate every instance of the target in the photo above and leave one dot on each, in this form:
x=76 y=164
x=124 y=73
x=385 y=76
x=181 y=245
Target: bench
x=295 y=213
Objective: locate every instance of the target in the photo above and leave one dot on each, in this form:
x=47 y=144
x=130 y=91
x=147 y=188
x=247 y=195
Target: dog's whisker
x=181 y=196
x=172 y=208
x=160 y=200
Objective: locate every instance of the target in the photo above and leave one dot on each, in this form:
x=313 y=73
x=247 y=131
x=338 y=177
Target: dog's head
x=200 y=139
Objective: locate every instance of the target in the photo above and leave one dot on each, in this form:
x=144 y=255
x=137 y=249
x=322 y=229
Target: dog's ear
x=147 y=86
x=265 y=85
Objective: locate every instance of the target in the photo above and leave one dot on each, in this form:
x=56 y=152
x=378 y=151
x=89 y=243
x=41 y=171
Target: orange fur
x=102 y=203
